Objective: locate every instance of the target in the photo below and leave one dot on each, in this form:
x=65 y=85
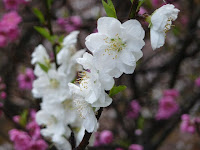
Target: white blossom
x=161 y=22
x=54 y=129
x=94 y=82
x=84 y=109
x=40 y=56
x=51 y=86
x=116 y=47
x=68 y=55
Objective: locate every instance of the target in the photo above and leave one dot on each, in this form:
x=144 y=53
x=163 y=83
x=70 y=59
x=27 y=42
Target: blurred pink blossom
x=70 y=24
x=34 y=129
x=135 y=147
x=197 y=82
x=133 y=110
x=16 y=119
x=171 y=92
x=106 y=137
x=142 y=11
x=25 y=79
x=3 y=40
x=30 y=140
x=32 y=114
x=11 y=4
x=38 y=145
x=3 y=95
x=97 y=141
x=20 y=138
x=167 y=107
x=9 y=30
x=10 y=21
x=13 y=34
x=188 y=124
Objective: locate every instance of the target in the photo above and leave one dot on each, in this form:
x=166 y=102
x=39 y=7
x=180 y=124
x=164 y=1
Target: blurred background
x=135 y=116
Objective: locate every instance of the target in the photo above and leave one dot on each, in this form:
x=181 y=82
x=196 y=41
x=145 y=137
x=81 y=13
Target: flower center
x=82 y=80
x=168 y=25
x=114 y=45
x=54 y=83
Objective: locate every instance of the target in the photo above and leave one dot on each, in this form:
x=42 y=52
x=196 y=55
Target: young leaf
x=109 y=8
x=140 y=123
x=139 y=5
x=44 y=32
x=39 y=15
x=116 y=89
x=23 y=118
x=43 y=67
x=110 y=3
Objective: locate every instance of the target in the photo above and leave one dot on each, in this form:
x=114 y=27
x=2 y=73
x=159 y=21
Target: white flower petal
x=127 y=58
x=157 y=39
x=134 y=28
x=71 y=38
x=94 y=41
x=109 y=26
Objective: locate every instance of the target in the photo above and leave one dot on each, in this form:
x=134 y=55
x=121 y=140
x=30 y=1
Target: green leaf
x=140 y=123
x=116 y=89
x=61 y=38
x=131 y=1
x=45 y=33
x=23 y=118
x=110 y=3
x=109 y=8
x=43 y=67
x=140 y=4
x=39 y=15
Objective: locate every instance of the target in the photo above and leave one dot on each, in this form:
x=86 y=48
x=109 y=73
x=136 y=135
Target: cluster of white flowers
x=71 y=105
x=57 y=113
